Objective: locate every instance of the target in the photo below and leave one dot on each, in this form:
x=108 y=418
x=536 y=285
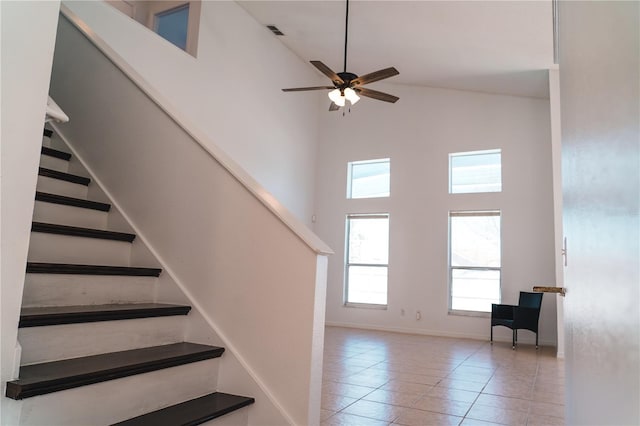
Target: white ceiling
x=488 y=46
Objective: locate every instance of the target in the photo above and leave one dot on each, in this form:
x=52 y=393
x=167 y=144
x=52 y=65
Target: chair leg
x=513 y=339
x=536 y=341
x=492 y=335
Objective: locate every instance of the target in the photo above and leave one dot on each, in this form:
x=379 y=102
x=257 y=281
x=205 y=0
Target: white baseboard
x=436 y=333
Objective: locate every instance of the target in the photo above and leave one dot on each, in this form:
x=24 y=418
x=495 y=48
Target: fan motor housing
x=347 y=77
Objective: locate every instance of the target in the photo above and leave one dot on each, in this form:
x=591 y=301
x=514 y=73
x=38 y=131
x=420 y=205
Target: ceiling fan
x=346 y=85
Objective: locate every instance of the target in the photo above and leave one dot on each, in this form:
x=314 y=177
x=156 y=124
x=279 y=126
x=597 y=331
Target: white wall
x=418 y=133
x=28 y=37
x=253 y=279
x=599 y=69
x=231 y=91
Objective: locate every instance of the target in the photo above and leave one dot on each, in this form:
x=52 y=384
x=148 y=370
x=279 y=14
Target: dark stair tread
x=47 y=132
x=70 y=201
x=40 y=379
x=73 y=269
x=68 y=177
x=75 y=231
x=192 y=412
x=55 y=153
x=56 y=315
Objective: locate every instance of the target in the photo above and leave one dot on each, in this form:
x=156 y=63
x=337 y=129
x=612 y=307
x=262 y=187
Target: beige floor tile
x=548 y=396
x=497 y=415
x=511 y=390
x=343 y=370
x=504 y=402
x=362 y=380
x=345 y=389
x=343 y=419
x=413 y=417
x=462 y=385
x=393 y=398
x=538 y=420
x=329 y=375
x=406 y=387
x=476 y=369
x=385 y=377
x=475 y=422
x=543 y=386
x=472 y=374
x=512 y=380
x=443 y=406
x=374 y=410
x=416 y=378
x=335 y=402
x=453 y=394
x=547 y=409
x=325 y=414
x=469 y=377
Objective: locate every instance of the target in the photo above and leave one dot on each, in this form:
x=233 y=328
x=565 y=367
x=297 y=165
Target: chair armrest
x=502 y=311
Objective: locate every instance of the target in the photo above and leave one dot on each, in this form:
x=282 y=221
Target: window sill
x=365 y=306
x=477 y=314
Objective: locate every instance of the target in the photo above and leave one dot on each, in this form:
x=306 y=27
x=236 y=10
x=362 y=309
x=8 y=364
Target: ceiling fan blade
x=333 y=107
x=375 y=76
x=328 y=72
x=376 y=95
x=302 y=89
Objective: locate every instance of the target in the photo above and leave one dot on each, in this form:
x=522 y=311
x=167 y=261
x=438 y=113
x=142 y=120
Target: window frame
x=193 y=22
x=350 y=165
x=347 y=264
x=156 y=22
x=450 y=267
x=453 y=155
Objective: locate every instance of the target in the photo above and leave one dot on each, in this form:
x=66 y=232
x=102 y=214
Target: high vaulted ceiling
x=488 y=46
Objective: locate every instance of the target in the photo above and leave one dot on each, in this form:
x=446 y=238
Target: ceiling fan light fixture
x=337 y=97
x=351 y=95
x=347 y=86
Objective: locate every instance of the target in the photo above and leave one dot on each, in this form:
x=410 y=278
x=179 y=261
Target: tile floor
x=376 y=378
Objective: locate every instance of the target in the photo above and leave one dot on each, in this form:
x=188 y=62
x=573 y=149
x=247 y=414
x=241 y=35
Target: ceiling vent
x=275 y=30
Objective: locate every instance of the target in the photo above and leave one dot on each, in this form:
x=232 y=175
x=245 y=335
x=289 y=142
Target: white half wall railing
x=54 y=112
x=255 y=273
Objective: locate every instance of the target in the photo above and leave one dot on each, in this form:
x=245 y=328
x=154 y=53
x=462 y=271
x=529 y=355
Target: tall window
x=474 y=260
x=477 y=171
x=368 y=179
x=367 y=259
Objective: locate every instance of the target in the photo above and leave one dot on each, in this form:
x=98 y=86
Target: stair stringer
x=199 y=328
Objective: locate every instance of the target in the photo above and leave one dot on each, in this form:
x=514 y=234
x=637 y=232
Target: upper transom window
x=369 y=179
x=477 y=171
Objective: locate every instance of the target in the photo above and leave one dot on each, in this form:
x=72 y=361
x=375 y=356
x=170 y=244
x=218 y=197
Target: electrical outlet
x=418 y=316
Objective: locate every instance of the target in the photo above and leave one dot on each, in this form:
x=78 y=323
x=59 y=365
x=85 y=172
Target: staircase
x=97 y=346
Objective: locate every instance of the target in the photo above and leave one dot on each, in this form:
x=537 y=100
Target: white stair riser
x=54 y=248
x=69 y=290
x=56 y=342
x=68 y=215
x=61 y=187
x=54 y=163
x=117 y=400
